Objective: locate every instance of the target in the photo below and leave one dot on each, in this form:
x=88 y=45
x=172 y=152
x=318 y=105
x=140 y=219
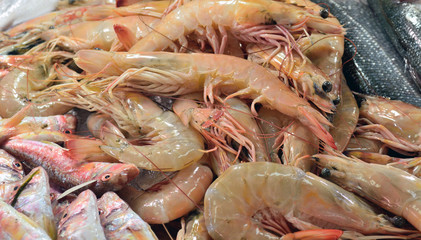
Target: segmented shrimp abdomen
x=248 y=198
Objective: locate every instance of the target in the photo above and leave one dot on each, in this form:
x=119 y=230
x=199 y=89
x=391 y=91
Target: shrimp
x=410 y=165
x=325 y=52
x=86 y=13
x=308 y=80
x=345 y=119
x=224 y=128
x=97 y=34
x=395 y=123
x=388 y=187
x=262 y=21
x=169 y=201
x=298 y=144
x=170 y=145
x=21 y=84
x=273 y=124
x=364 y=145
x=177 y=73
x=195 y=228
x=259 y=200
x=119 y=221
x=96 y=121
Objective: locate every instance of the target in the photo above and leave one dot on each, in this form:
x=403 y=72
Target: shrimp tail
x=319 y=234
x=125 y=36
x=314 y=123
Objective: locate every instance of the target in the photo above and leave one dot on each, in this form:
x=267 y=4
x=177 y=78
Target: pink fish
x=81 y=219
x=67 y=171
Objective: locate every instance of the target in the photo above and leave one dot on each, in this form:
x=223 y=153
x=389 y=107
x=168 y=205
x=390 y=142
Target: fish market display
x=211 y=119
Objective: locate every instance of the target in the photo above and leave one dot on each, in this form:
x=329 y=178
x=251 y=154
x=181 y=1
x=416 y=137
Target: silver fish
x=402 y=22
x=81 y=219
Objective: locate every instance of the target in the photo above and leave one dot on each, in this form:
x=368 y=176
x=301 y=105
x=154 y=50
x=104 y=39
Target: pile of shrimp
x=199 y=112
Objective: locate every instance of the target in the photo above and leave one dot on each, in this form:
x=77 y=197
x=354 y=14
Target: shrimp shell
x=173 y=199
x=172 y=74
x=250 y=198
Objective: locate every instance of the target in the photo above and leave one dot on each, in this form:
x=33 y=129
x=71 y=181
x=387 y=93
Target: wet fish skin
x=15 y=225
x=34 y=201
x=10 y=168
x=377 y=68
x=66 y=171
x=120 y=221
x=81 y=219
x=402 y=22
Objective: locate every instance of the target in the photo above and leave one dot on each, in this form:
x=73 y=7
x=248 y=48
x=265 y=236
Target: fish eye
x=65 y=215
x=18 y=165
x=67 y=131
x=327 y=86
x=15 y=188
x=106 y=177
x=324 y=13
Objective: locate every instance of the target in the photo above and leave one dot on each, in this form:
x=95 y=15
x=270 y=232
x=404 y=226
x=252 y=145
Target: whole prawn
x=173 y=74
x=258 y=200
x=18 y=87
x=391 y=188
x=395 y=123
x=98 y=34
x=263 y=21
x=169 y=144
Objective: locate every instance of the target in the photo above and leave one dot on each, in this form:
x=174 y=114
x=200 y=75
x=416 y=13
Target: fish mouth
x=121 y=175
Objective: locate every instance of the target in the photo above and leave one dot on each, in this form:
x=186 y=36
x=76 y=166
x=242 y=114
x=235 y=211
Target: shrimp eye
x=398 y=221
x=100 y=211
x=65 y=215
x=324 y=13
x=106 y=177
x=327 y=86
x=325 y=173
x=67 y=131
x=337 y=101
x=18 y=165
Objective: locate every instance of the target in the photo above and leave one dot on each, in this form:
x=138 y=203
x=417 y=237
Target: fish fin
x=87 y=150
x=75 y=188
